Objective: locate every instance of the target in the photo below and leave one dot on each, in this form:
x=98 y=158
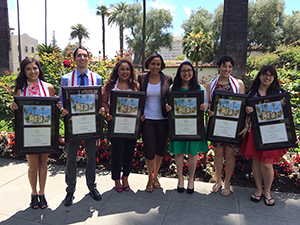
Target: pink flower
x=67 y=64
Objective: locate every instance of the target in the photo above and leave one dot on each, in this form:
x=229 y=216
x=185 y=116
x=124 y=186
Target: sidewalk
x=163 y=206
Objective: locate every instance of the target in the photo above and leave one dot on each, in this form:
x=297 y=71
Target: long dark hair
x=114 y=76
x=193 y=84
x=21 y=81
x=272 y=89
x=152 y=56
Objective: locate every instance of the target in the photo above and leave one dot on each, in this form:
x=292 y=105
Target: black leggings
x=122 y=151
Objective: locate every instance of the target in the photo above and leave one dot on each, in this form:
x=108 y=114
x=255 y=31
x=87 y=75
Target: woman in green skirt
x=186 y=80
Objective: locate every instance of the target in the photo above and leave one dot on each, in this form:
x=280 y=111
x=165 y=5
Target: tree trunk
x=4 y=38
x=121 y=40
x=234 y=34
x=103 y=35
x=144 y=36
x=46 y=22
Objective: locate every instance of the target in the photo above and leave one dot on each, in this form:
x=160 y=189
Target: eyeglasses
x=186 y=71
x=267 y=75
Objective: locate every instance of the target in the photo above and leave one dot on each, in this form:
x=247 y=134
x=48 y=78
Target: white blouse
x=153 y=102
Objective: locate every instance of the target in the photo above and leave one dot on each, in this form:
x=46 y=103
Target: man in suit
x=80 y=76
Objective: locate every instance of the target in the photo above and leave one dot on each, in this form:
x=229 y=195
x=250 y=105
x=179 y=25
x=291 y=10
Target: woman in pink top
x=31 y=82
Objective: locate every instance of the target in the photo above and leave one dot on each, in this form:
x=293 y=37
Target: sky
x=62 y=14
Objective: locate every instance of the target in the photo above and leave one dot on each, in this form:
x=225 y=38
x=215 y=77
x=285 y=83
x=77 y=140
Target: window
x=32 y=49
x=26 y=49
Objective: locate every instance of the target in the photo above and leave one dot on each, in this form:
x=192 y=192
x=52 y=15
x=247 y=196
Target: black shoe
x=43 y=203
x=95 y=194
x=190 y=191
x=34 y=202
x=180 y=190
x=69 y=199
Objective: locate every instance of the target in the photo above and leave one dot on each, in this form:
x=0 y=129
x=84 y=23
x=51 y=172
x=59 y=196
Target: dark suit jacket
x=165 y=80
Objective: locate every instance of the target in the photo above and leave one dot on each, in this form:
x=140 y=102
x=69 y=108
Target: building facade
x=28 y=46
x=169 y=54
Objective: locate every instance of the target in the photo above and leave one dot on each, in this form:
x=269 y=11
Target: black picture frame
x=272 y=122
x=83 y=120
x=186 y=120
x=126 y=118
x=228 y=119
x=36 y=125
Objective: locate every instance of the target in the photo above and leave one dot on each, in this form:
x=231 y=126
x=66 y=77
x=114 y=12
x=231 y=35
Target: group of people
x=155 y=84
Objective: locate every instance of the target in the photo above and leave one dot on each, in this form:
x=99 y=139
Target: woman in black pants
x=155 y=127
x=121 y=78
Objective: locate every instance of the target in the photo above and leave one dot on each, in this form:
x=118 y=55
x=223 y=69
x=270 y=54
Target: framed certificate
x=126 y=108
x=272 y=122
x=186 y=120
x=36 y=125
x=228 y=119
x=83 y=119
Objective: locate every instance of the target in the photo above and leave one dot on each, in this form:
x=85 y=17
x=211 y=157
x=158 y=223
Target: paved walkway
x=163 y=206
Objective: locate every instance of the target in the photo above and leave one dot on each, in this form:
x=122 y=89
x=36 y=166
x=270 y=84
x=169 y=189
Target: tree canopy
x=268 y=25
x=80 y=32
x=158 y=21
x=117 y=14
x=102 y=11
x=197 y=45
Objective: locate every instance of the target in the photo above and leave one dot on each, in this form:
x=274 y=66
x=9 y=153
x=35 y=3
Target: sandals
x=120 y=189
x=34 y=202
x=267 y=201
x=216 y=187
x=156 y=185
x=149 y=188
x=42 y=203
x=225 y=190
x=256 y=198
x=127 y=188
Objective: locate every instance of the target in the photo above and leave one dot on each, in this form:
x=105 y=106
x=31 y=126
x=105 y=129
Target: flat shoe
x=43 y=203
x=95 y=194
x=267 y=201
x=156 y=185
x=149 y=188
x=256 y=198
x=69 y=199
x=226 y=190
x=216 y=187
x=34 y=202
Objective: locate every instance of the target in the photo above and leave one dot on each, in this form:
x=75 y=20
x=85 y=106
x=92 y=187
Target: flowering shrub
x=7 y=86
x=67 y=63
x=204 y=168
x=286 y=59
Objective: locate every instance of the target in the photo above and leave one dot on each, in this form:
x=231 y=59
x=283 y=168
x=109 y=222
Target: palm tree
x=102 y=11
x=4 y=37
x=79 y=31
x=234 y=34
x=197 y=45
x=273 y=105
x=117 y=16
x=131 y=100
x=34 y=108
x=43 y=48
x=233 y=104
